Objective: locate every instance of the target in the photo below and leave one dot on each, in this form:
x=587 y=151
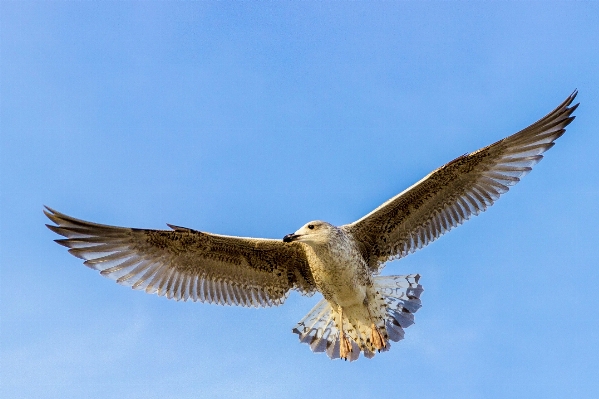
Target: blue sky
x=253 y=118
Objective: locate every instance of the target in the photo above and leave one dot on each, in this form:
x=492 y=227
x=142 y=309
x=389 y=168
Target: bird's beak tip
x=289 y=238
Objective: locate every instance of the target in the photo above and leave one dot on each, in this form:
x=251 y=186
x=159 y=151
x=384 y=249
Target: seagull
x=361 y=311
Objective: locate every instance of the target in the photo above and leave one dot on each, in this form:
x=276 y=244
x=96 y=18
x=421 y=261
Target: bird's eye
x=311 y=226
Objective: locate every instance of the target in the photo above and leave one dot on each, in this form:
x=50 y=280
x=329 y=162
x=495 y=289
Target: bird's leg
x=344 y=346
x=377 y=339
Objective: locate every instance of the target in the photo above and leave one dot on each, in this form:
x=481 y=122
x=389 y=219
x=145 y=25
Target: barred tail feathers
x=401 y=296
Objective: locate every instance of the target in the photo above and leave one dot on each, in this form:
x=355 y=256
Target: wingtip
x=65 y=242
x=571 y=97
x=177 y=228
x=49 y=210
x=181 y=229
x=570 y=100
x=56 y=229
x=573 y=108
x=52 y=214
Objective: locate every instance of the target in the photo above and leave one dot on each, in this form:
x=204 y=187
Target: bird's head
x=313 y=233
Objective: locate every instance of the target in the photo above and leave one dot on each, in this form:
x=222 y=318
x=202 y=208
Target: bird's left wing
x=453 y=193
x=188 y=264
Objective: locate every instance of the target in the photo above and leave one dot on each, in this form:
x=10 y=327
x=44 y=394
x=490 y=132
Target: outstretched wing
x=453 y=193
x=188 y=264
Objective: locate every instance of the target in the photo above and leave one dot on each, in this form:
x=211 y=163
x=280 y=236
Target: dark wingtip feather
x=57 y=230
x=178 y=228
x=54 y=219
x=182 y=229
x=570 y=98
x=51 y=214
x=65 y=242
x=54 y=215
x=566 y=104
x=48 y=209
x=573 y=108
x=76 y=253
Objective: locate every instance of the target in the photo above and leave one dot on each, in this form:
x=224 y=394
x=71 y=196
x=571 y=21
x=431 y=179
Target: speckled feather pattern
x=185 y=264
x=343 y=277
x=340 y=262
x=401 y=295
x=455 y=192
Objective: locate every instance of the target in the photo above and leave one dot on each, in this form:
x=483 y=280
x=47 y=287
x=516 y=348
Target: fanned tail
x=401 y=295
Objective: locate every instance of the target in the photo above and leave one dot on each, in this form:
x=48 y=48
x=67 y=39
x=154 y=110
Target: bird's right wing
x=453 y=193
x=188 y=264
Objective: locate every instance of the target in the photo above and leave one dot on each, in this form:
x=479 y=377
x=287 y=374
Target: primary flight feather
x=360 y=312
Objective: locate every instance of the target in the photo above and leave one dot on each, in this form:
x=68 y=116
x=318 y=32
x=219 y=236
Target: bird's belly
x=342 y=284
x=349 y=296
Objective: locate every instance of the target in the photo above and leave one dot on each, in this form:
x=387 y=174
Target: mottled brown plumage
x=188 y=264
x=360 y=312
x=450 y=195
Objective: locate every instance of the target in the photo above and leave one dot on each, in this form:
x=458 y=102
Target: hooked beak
x=291 y=237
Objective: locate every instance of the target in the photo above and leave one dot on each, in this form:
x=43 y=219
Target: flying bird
x=361 y=311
